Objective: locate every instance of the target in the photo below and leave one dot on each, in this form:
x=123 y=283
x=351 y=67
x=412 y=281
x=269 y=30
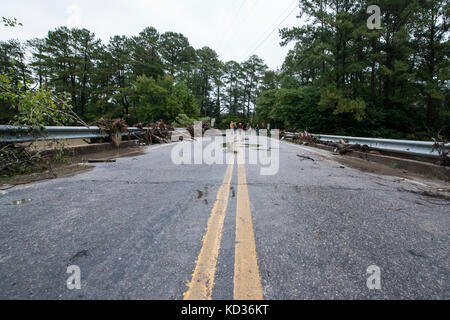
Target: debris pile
x=305 y=138
x=341 y=147
x=114 y=127
x=21 y=159
x=205 y=126
x=440 y=145
x=308 y=138
x=111 y=124
x=14 y=159
x=157 y=132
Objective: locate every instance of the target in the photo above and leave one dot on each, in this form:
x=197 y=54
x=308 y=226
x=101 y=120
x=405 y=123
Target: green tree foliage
x=388 y=82
x=175 y=52
x=253 y=71
x=24 y=104
x=35 y=108
x=234 y=82
x=162 y=99
x=147 y=77
x=292 y=108
x=153 y=97
x=339 y=77
x=431 y=47
x=146 y=59
x=183 y=121
x=113 y=79
x=185 y=101
x=7 y=22
x=208 y=65
x=37 y=64
x=12 y=61
x=70 y=56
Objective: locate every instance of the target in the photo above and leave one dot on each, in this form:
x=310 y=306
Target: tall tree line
x=342 y=77
x=144 y=78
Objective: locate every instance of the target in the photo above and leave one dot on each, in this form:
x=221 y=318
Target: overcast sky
x=233 y=28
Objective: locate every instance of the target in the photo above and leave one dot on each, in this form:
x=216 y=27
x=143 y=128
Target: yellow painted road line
x=247 y=282
x=202 y=283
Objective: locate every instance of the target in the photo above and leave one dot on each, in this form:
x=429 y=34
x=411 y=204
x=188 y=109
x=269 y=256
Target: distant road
x=145 y=228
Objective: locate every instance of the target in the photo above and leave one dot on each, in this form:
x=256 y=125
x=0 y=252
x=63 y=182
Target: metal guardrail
x=405 y=146
x=11 y=134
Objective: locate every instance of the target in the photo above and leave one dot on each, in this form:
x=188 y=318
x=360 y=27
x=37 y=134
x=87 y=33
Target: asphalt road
x=146 y=228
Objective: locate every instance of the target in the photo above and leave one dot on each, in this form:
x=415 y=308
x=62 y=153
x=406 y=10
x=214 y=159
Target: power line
x=273 y=30
x=233 y=22
x=252 y=8
x=243 y=21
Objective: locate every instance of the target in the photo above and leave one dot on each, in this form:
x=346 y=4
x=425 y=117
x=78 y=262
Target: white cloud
x=232 y=28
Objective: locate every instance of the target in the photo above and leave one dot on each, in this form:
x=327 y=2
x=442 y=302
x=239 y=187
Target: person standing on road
x=257 y=130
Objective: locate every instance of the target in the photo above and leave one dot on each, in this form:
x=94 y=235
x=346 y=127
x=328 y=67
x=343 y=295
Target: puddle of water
x=19 y=202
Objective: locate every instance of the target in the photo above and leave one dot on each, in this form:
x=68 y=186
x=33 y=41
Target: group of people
x=248 y=127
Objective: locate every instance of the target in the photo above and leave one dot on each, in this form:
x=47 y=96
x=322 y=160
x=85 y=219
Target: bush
x=183 y=121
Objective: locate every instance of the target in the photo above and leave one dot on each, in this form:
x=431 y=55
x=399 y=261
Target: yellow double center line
x=202 y=283
x=247 y=283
